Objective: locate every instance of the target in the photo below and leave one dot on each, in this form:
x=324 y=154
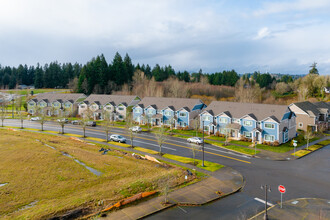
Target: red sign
x=281 y=189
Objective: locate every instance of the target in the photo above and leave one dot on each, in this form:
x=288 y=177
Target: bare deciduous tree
x=128 y=127
x=161 y=137
x=106 y=124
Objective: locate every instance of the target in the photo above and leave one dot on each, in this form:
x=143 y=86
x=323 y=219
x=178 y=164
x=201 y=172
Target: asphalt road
x=307 y=177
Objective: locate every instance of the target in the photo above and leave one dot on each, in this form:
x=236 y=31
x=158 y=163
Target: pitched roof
x=254 y=110
x=113 y=99
x=323 y=107
x=308 y=107
x=51 y=97
x=174 y=103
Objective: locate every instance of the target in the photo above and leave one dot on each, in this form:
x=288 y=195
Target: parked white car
x=35 y=119
x=117 y=138
x=136 y=129
x=195 y=140
x=60 y=120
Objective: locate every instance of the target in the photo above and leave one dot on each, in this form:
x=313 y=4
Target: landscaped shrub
x=245 y=139
x=276 y=143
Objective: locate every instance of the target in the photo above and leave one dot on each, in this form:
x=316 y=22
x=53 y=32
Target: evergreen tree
x=313 y=69
x=39 y=76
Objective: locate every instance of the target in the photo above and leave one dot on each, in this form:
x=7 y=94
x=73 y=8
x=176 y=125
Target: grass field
x=245 y=150
x=53 y=183
x=35 y=91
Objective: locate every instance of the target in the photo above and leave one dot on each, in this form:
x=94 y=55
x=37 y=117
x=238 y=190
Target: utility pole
x=203 y=143
x=12 y=108
x=267 y=189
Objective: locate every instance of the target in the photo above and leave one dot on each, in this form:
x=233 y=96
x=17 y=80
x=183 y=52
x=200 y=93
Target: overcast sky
x=214 y=35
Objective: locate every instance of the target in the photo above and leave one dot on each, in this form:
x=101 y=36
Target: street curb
x=288 y=201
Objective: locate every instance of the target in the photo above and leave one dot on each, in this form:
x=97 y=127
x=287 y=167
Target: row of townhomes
x=259 y=122
x=55 y=103
x=177 y=112
x=115 y=105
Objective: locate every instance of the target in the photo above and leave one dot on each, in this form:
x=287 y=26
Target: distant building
x=115 y=104
x=54 y=103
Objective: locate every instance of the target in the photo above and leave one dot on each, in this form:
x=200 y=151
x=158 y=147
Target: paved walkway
x=308 y=209
x=225 y=182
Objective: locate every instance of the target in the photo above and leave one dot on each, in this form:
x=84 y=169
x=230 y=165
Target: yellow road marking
x=220 y=155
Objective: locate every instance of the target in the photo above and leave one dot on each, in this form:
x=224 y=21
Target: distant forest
x=99 y=76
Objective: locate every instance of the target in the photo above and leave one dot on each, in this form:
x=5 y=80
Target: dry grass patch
x=35 y=172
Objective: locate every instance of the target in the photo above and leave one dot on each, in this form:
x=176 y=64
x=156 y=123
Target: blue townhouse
x=175 y=112
x=258 y=122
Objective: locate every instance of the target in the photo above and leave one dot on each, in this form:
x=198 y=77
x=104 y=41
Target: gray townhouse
x=52 y=104
x=311 y=115
x=258 y=122
x=115 y=105
x=177 y=112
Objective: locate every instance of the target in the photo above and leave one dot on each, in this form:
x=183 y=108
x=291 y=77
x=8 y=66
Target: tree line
x=100 y=77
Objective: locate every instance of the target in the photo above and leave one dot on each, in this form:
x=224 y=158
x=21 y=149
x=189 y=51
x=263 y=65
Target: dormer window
x=183 y=114
x=223 y=120
x=247 y=123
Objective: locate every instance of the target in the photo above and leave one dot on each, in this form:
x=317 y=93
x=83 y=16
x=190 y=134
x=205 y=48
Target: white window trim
x=168 y=113
x=272 y=137
x=245 y=132
x=300 y=125
x=185 y=114
x=244 y=123
x=223 y=122
x=268 y=123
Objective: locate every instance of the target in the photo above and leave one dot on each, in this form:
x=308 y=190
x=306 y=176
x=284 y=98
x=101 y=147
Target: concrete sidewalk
x=225 y=182
x=298 y=209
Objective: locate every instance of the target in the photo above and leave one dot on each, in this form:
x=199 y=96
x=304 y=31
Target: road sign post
x=282 y=190
x=294 y=147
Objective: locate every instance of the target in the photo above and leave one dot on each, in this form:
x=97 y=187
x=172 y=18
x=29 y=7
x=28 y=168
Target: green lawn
x=245 y=143
x=146 y=150
x=187 y=132
x=326 y=142
x=216 y=138
x=210 y=166
x=244 y=150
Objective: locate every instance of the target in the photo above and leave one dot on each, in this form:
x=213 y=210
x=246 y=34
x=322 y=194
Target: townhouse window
x=182 y=124
x=137 y=110
x=222 y=130
x=206 y=128
x=247 y=134
x=300 y=125
x=31 y=104
x=31 y=111
x=82 y=106
x=120 y=117
x=247 y=123
x=121 y=108
x=223 y=120
x=183 y=114
x=207 y=118
x=67 y=105
x=56 y=104
x=150 y=111
x=269 y=137
x=108 y=108
x=269 y=125
x=168 y=113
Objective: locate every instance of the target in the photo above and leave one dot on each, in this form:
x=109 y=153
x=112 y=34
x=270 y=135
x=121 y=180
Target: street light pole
x=267 y=189
x=12 y=108
x=203 y=143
